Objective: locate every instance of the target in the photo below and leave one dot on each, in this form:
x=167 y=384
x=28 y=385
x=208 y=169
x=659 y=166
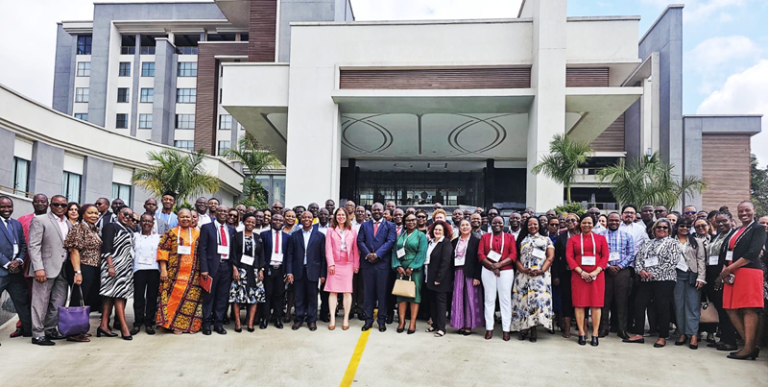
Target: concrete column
x=692 y=138
x=164 y=105
x=97 y=180
x=7 y=143
x=46 y=169
x=490 y=182
x=64 y=71
x=547 y=113
x=135 y=91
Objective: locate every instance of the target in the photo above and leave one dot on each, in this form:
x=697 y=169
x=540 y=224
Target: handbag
x=73 y=320
x=708 y=314
x=404 y=288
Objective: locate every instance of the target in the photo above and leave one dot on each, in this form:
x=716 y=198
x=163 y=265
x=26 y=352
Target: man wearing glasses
x=629 y=226
x=105 y=217
x=277 y=208
x=595 y=212
x=661 y=212
x=690 y=212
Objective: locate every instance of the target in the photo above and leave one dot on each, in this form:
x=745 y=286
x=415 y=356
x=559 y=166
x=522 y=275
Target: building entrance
x=411 y=188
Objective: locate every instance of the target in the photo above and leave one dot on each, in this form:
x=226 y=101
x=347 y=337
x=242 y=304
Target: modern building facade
x=418 y=112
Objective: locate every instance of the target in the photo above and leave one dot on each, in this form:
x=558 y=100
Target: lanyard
x=490 y=243
x=406 y=238
x=594 y=250
x=178 y=236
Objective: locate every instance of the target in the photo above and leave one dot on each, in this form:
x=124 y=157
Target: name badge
x=614 y=257
x=277 y=258
x=400 y=253
x=713 y=260
x=248 y=260
x=184 y=250
x=147 y=259
x=539 y=253
x=459 y=261
x=652 y=261
x=15 y=250
x=588 y=260
x=223 y=250
x=729 y=256
x=494 y=256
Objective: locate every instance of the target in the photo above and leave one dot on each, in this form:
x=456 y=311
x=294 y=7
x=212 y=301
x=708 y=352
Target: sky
x=725 y=42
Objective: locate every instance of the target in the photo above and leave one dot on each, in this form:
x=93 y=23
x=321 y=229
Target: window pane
x=145 y=121
x=81 y=94
x=223 y=147
x=125 y=69
x=148 y=69
x=279 y=188
x=122 y=94
x=185 y=121
x=84 y=45
x=225 y=122
x=186 y=95
x=147 y=95
x=82 y=116
x=187 y=69
x=20 y=176
x=83 y=69
x=121 y=121
x=70 y=187
x=184 y=144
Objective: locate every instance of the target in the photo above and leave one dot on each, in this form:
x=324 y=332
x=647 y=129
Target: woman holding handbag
x=343 y=263
x=467 y=305
x=408 y=256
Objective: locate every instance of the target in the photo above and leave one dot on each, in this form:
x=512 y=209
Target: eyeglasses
x=421 y=217
x=127 y=213
x=60 y=205
x=663 y=228
x=410 y=220
x=629 y=213
x=277 y=208
x=658 y=211
x=690 y=212
x=571 y=221
x=701 y=226
x=233 y=215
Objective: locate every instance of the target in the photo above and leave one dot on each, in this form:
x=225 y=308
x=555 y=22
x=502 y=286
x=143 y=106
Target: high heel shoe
x=595 y=342
x=100 y=332
x=679 y=343
x=400 y=329
x=582 y=340
x=250 y=329
x=238 y=330
x=127 y=338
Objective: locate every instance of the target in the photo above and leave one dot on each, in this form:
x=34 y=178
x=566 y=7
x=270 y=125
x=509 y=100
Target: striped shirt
x=621 y=242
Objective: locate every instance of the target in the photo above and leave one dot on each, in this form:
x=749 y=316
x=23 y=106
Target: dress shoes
x=149 y=330
x=595 y=342
x=488 y=335
x=42 y=341
x=220 y=330
x=207 y=331
x=602 y=334
x=366 y=327
x=135 y=330
x=55 y=335
x=390 y=319
x=312 y=326
x=263 y=324
x=726 y=347
x=296 y=326
x=18 y=332
x=382 y=327
x=505 y=336
x=582 y=340
x=100 y=332
x=279 y=324
x=623 y=335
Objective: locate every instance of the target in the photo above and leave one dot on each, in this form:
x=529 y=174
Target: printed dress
x=532 y=296
x=181 y=296
x=118 y=243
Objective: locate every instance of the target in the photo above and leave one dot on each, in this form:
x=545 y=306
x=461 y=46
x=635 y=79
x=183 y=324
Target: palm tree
x=564 y=159
x=255 y=158
x=175 y=171
x=649 y=180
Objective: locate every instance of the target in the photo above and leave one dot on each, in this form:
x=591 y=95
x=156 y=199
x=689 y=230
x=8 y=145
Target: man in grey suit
x=150 y=206
x=47 y=255
x=13 y=247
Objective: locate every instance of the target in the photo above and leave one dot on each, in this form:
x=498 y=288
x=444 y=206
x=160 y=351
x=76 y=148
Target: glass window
x=225 y=122
x=121 y=191
x=278 y=189
x=70 y=186
x=185 y=121
x=223 y=147
x=122 y=94
x=81 y=94
x=82 y=116
x=147 y=95
x=187 y=69
x=20 y=176
x=125 y=69
x=127 y=50
x=145 y=121
x=121 y=122
x=84 y=44
x=186 y=95
x=148 y=69
x=184 y=144
x=83 y=69
x=148 y=50
x=186 y=50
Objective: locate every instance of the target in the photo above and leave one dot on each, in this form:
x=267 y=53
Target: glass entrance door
x=409 y=188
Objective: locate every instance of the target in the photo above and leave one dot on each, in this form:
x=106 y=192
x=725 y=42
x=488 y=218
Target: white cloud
x=434 y=9
x=744 y=93
x=702 y=10
x=712 y=57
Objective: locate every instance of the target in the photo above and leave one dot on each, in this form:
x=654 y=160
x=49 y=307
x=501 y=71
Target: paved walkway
x=275 y=357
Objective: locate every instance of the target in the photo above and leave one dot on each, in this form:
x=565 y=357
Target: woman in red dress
x=587 y=256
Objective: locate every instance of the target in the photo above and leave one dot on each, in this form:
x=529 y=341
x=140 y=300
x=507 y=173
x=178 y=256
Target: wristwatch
x=78 y=272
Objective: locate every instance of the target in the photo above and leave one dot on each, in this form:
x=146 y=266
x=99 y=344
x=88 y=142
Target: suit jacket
x=258 y=256
x=207 y=248
x=46 y=245
x=749 y=244
x=559 y=265
x=317 y=266
x=440 y=268
x=472 y=267
x=333 y=247
x=269 y=243
x=7 y=238
x=381 y=244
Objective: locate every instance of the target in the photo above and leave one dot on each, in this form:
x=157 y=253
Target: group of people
x=193 y=270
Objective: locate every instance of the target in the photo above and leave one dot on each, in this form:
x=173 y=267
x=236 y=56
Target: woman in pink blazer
x=343 y=262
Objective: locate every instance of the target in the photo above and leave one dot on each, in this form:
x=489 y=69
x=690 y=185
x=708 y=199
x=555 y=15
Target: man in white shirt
x=635 y=229
x=598 y=229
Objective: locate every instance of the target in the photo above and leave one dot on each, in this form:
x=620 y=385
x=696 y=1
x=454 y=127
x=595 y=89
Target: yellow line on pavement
x=349 y=375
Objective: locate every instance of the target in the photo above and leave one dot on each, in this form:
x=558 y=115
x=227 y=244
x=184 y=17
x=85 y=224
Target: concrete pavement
x=284 y=357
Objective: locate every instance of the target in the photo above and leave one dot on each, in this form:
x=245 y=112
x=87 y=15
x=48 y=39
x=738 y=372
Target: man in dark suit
x=215 y=250
x=275 y=248
x=375 y=240
x=13 y=249
x=305 y=265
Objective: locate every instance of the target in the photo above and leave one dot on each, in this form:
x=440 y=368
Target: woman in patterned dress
x=117 y=272
x=532 y=292
x=84 y=245
x=248 y=272
x=181 y=297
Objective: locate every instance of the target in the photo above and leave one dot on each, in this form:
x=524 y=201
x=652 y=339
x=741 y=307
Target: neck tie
x=399 y=228
x=223 y=239
x=277 y=243
x=375 y=228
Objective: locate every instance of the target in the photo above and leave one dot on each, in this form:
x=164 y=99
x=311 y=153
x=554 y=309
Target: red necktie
x=375 y=228
x=277 y=243
x=223 y=239
x=398 y=229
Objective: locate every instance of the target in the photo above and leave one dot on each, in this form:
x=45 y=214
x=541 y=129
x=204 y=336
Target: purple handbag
x=73 y=320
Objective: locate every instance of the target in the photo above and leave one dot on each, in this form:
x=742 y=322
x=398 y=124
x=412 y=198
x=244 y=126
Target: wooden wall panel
x=612 y=139
x=587 y=77
x=725 y=164
x=262 y=29
x=207 y=90
x=446 y=78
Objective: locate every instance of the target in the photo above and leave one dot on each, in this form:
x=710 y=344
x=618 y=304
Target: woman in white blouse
x=146 y=275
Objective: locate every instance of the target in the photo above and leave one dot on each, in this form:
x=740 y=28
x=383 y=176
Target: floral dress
x=532 y=296
x=242 y=291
